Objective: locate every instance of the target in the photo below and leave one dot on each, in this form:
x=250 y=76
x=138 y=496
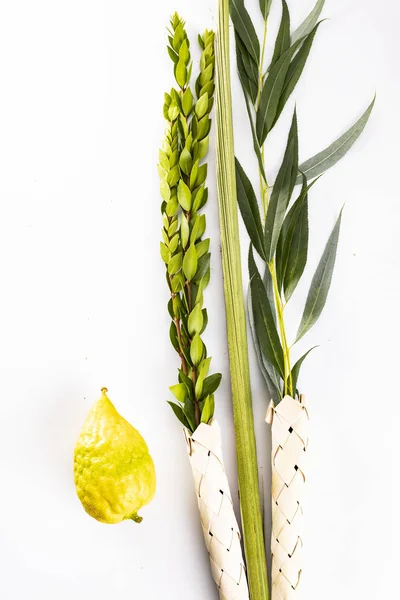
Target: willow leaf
x=269 y=288
x=308 y=23
x=263 y=319
x=245 y=28
x=249 y=209
x=297 y=366
x=325 y=159
x=265 y=6
x=256 y=145
x=282 y=42
x=271 y=376
x=247 y=68
x=295 y=70
x=286 y=235
x=281 y=192
x=321 y=282
x=296 y=253
x=271 y=93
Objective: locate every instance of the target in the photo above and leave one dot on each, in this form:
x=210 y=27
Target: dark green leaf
x=296 y=369
x=308 y=23
x=249 y=209
x=173 y=336
x=205 y=320
x=320 y=284
x=295 y=70
x=271 y=93
x=291 y=253
x=282 y=42
x=256 y=145
x=263 y=319
x=269 y=373
x=247 y=68
x=282 y=191
x=211 y=384
x=183 y=378
x=188 y=409
x=330 y=156
x=265 y=6
x=245 y=28
x=180 y=414
x=203 y=266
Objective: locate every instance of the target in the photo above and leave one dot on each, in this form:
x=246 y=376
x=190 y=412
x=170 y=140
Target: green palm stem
x=236 y=321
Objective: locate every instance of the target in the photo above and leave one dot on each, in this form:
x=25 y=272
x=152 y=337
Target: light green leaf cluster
x=184 y=251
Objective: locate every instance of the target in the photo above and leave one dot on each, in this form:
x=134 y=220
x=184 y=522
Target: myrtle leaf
x=211 y=384
x=295 y=70
x=282 y=42
x=180 y=414
x=281 y=192
x=308 y=23
x=271 y=93
x=245 y=28
x=325 y=159
x=249 y=209
x=321 y=282
x=263 y=320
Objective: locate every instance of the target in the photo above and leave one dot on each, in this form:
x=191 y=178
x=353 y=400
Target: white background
x=83 y=298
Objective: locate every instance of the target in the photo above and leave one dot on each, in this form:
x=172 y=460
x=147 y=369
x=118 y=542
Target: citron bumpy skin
x=113 y=471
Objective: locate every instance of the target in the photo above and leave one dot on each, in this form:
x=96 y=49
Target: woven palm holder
x=218 y=521
x=289 y=426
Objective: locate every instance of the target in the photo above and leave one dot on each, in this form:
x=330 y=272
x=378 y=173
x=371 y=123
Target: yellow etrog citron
x=113 y=470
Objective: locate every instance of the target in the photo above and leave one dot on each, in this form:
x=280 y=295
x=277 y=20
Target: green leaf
x=263 y=319
x=205 y=320
x=321 y=282
x=181 y=73
x=282 y=42
x=211 y=384
x=184 y=231
x=185 y=161
x=201 y=175
x=173 y=337
x=296 y=369
x=197 y=199
x=173 y=176
x=188 y=410
x=308 y=24
x=271 y=377
x=247 y=69
x=190 y=263
x=195 y=320
x=271 y=93
x=184 y=52
x=245 y=28
x=165 y=253
x=180 y=414
x=256 y=145
x=202 y=247
x=187 y=102
x=324 y=160
x=208 y=410
x=291 y=252
x=175 y=264
x=179 y=391
x=201 y=107
x=281 y=192
x=295 y=70
x=249 y=209
x=196 y=349
x=265 y=6
x=203 y=267
x=184 y=196
x=172 y=54
x=183 y=378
